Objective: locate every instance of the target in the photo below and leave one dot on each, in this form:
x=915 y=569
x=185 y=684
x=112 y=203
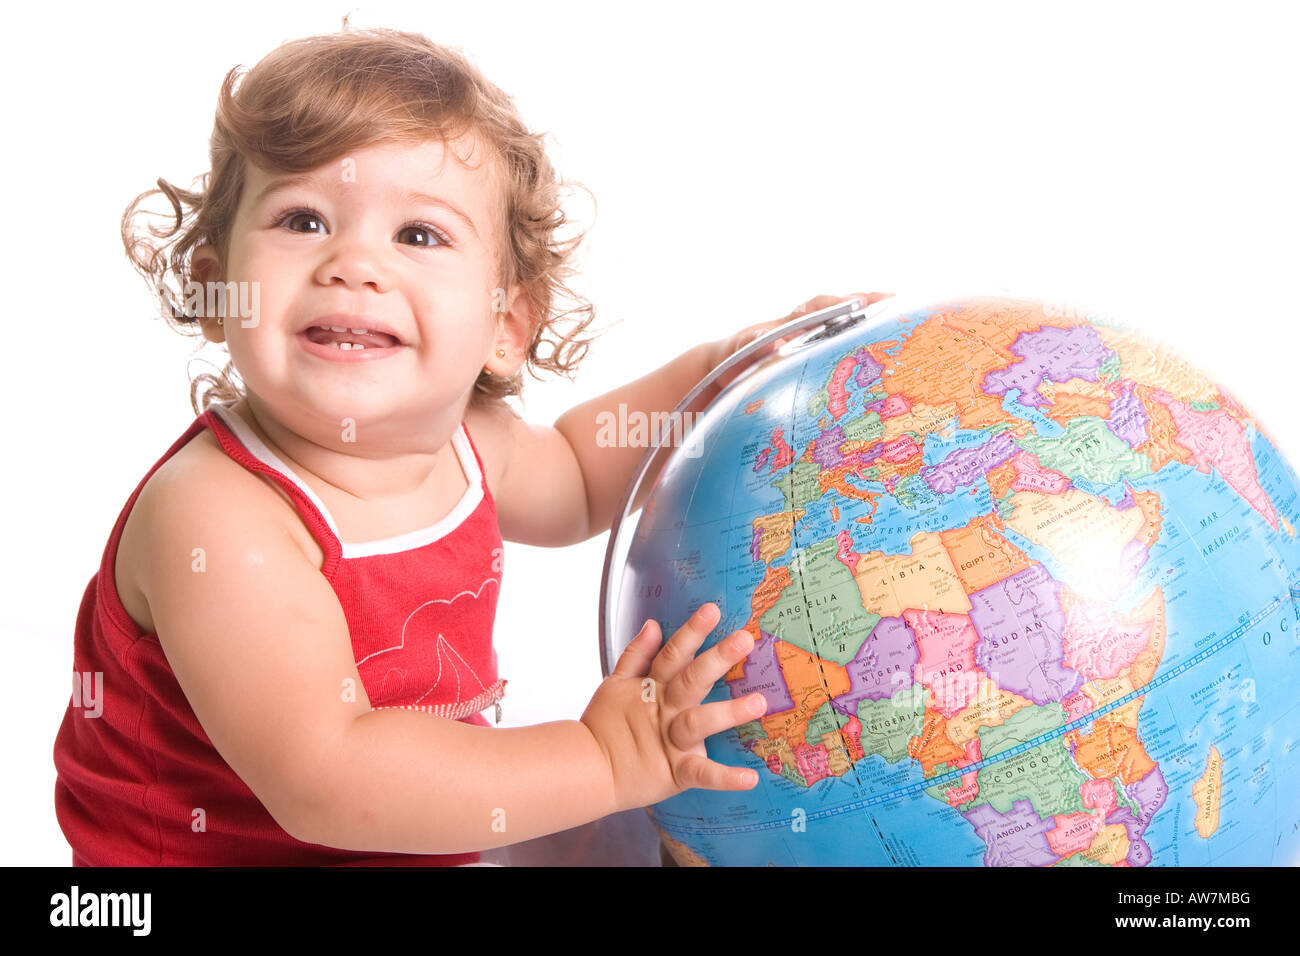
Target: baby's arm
x=554 y=485
x=260 y=646
x=561 y=484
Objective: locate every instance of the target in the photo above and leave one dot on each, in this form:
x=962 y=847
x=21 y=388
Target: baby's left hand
x=725 y=348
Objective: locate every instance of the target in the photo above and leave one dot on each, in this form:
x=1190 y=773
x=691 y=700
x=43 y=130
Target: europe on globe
x=1024 y=587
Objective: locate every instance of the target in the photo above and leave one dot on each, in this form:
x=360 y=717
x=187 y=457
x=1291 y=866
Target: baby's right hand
x=648 y=719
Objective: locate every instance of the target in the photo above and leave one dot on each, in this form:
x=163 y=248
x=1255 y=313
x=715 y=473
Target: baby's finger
x=637 y=657
x=870 y=298
x=696 y=771
x=689 y=728
x=681 y=647
x=815 y=304
x=701 y=674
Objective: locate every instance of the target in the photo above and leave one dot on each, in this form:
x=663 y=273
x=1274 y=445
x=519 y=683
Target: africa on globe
x=1024 y=587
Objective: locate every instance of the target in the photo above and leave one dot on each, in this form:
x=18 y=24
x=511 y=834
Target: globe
x=1023 y=589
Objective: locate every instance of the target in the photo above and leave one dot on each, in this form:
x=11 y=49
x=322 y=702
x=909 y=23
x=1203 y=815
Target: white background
x=1137 y=158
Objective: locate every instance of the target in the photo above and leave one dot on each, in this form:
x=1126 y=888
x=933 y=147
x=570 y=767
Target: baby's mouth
x=349 y=339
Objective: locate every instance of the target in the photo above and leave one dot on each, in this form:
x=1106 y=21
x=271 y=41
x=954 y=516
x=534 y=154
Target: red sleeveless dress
x=134 y=768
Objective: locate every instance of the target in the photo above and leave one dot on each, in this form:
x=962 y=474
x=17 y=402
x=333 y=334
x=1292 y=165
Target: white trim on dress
x=364 y=549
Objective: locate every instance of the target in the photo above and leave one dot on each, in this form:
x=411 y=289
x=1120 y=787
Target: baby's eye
x=424 y=235
x=292 y=218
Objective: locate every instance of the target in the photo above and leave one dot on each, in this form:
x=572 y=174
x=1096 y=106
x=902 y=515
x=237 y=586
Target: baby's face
x=397 y=239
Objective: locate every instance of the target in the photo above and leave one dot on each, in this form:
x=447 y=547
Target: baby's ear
x=205 y=267
x=205 y=263
x=515 y=321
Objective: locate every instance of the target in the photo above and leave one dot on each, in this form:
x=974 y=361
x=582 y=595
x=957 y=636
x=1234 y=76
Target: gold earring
x=219 y=320
x=500 y=353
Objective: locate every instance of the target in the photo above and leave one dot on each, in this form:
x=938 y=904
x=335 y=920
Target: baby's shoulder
x=203 y=474
x=491 y=428
x=201 y=479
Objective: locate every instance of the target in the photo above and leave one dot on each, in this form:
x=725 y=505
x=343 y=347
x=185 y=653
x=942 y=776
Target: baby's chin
x=364 y=417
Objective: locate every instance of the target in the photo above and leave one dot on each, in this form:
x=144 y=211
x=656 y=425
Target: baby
x=288 y=641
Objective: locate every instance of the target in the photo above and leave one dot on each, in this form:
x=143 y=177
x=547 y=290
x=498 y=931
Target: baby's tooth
x=360 y=331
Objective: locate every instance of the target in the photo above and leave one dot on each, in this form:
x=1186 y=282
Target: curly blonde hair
x=312 y=101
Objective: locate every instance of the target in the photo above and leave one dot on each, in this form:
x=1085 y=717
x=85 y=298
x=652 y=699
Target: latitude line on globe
x=1176 y=671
